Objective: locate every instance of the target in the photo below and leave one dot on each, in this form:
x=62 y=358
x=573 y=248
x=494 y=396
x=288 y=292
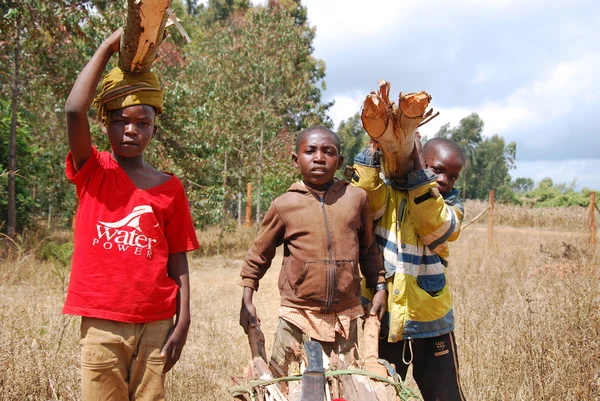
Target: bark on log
x=143 y=33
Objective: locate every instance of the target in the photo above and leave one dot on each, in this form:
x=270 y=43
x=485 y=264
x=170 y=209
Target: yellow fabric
x=413 y=238
x=121 y=89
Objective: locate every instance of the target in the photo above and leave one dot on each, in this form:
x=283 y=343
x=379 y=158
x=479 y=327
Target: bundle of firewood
x=392 y=127
x=314 y=376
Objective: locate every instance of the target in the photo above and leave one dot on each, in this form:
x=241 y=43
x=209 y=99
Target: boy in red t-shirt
x=132 y=229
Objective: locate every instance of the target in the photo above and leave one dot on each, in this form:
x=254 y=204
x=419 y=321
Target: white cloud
x=532 y=80
x=344 y=108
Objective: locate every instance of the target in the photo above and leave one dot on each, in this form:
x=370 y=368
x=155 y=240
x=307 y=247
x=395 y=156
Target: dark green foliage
x=353 y=138
x=25 y=201
x=549 y=194
x=489 y=160
x=249 y=71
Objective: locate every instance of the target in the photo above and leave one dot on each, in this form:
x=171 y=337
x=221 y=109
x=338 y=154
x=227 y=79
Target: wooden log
x=392 y=127
x=143 y=33
x=262 y=370
x=242 y=397
x=371 y=347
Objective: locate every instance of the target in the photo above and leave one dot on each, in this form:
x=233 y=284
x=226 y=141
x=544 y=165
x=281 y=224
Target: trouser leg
x=396 y=353
x=435 y=368
x=104 y=359
x=147 y=379
x=282 y=349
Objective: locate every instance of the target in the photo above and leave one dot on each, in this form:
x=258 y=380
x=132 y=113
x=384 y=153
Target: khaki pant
x=286 y=332
x=121 y=361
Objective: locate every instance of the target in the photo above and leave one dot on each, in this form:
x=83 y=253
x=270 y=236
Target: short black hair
x=445 y=143
x=316 y=128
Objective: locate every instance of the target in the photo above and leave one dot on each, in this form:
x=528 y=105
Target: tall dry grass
x=572 y=218
x=527 y=310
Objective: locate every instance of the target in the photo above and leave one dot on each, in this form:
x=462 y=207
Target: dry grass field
x=528 y=322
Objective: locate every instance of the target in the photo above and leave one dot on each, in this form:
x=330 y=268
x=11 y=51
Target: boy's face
x=446 y=166
x=317 y=159
x=130 y=129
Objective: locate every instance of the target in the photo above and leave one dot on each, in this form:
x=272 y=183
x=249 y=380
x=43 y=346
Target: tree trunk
x=239 y=206
x=12 y=155
x=260 y=165
x=223 y=203
x=143 y=33
x=260 y=151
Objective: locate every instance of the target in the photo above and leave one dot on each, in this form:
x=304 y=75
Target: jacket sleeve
x=436 y=221
x=370 y=258
x=366 y=176
x=261 y=253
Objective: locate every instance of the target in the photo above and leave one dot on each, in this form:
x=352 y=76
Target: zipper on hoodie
x=331 y=270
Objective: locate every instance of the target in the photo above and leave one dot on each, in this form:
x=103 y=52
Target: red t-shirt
x=123 y=238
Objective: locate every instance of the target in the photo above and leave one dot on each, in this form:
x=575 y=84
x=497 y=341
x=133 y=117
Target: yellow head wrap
x=121 y=89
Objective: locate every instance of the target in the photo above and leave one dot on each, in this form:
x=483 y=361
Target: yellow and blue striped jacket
x=414 y=225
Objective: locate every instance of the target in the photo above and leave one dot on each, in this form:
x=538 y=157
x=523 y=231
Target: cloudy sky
x=530 y=69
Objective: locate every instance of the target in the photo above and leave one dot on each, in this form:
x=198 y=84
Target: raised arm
x=81 y=97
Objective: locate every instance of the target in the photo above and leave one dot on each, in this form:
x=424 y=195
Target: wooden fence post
x=592 y=220
x=491 y=218
x=249 y=205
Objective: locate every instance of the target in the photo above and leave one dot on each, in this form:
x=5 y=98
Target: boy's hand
x=417 y=154
x=248 y=315
x=174 y=344
x=114 y=40
x=379 y=304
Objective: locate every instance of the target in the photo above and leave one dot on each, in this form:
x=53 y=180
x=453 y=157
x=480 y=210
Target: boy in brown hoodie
x=325 y=226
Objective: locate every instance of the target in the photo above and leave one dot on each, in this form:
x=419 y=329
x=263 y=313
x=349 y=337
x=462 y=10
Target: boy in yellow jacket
x=415 y=220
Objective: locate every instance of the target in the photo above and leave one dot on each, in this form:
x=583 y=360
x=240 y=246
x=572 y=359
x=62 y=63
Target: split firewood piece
x=385 y=393
x=143 y=33
x=238 y=381
x=262 y=369
x=371 y=347
x=364 y=388
x=336 y=364
x=348 y=389
x=392 y=127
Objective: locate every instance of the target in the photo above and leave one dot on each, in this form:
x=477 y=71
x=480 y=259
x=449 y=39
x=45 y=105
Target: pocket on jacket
x=347 y=280
x=311 y=283
x=432 y=284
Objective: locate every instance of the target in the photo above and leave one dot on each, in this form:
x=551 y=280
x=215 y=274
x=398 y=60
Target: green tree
x=47 y=36
x=488 y=163
x=523 y=185
x=492 y=161
x=248 y=74
x=547 y=193
x=468 y=136
x=353 y=138
x=246 y=83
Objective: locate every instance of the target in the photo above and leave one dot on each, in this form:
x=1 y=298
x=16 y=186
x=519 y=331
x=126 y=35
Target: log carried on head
x=392 y=127
x=143 y=33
